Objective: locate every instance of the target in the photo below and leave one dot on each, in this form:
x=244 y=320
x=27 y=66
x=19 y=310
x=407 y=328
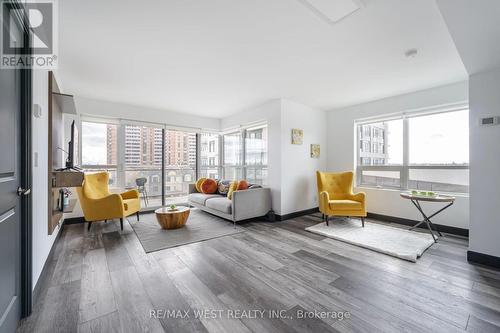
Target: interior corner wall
x=342 y=145
x=42 y=241
x=291 y=170
x=484 y=93
x=298 y=168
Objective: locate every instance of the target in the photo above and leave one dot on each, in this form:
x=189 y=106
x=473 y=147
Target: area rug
x=396 y=242
x=200 y=226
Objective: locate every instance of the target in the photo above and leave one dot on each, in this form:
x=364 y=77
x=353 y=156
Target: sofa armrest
x=360 y=197
x=108 y=207
x=323 y=199
x=192 y=188
x=251 y=203
x=132 y=194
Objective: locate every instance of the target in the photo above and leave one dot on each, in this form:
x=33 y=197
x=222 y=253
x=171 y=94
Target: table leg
x=427 y=220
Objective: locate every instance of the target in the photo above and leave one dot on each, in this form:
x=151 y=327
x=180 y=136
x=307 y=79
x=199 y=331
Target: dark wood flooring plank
x=134 y=307
x=116 y=252
x=69 y=262
x=97 y=298
x=399 y=309
x=481 y=326
x=109 y=323
x=201 y=298
x=164 y=295
x=308 y=297
x=59 y=312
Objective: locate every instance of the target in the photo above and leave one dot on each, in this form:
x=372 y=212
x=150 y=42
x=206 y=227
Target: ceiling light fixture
x=333 y=12
x=411 y=53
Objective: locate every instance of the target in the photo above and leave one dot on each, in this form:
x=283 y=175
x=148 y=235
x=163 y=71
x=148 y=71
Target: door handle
x=23 y=191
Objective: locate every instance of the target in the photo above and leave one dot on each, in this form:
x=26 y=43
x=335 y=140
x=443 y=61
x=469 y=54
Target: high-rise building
x=111 y=143
x=209 y=154
x=373 y=144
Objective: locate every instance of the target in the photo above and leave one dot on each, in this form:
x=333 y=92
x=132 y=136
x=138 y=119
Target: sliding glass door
x=142 y=161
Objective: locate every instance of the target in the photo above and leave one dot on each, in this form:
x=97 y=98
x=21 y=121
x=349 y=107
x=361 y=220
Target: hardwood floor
x=103 y=281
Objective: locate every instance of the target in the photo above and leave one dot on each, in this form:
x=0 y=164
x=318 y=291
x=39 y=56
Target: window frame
x=405 y=168
x=243 y=166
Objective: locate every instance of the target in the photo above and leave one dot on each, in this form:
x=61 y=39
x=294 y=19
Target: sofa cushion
x=242 y=185
x=201 y=198
x=223 y=187
x=198 y=183
x=233 y=187
x=209 y=186
x=221 y=204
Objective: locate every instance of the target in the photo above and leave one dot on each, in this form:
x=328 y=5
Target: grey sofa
x=244 y=205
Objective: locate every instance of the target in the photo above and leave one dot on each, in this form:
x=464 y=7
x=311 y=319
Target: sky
x=434 y=139
x=94 y=143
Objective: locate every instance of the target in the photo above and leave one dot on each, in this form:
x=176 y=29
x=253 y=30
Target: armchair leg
x=137 y=216
x=322 y=217
x=121 y=223
x=326 y=219
x=88 y=227
x=105 y=221
x=363 y=221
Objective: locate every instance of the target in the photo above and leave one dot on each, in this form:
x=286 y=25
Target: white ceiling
x=218 y=57
x=475 y=27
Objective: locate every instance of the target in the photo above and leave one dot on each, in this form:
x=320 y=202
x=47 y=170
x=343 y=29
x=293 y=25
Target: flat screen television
x=72 y=162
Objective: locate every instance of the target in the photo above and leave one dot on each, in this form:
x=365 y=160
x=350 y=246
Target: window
x=100 y=149
x=233 y=166
x=436 y=157
x=143 y=158
x=209 y=155
x=439 y=152
x=180 y=164
x=256 y=155
x=246 y=158
x=132 y=151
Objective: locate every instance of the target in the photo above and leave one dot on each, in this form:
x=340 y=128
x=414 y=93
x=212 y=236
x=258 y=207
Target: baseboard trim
x=297 y=214
x=74 y=220
x=443 y=228
x=43 y=275
x=483 y=259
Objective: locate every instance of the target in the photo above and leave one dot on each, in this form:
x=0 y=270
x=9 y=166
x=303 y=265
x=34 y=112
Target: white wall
x=101 y=108
x=484 y=164
x=270 y=112
x=42 y=242
x=341 y=149
x=298 y=169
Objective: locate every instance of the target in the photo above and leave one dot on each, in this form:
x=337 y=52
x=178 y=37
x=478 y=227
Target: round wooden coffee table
x=172 y=219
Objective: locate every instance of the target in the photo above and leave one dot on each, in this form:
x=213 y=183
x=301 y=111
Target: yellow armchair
x=336 y=197
x=99 y=204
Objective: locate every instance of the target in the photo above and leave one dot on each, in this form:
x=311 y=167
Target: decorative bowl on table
x=423 y=194
x=172 y=208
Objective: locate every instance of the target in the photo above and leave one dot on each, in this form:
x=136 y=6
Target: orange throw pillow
x=198 y=184
x=209 y=186
x=242 y=185
x=233 y=187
